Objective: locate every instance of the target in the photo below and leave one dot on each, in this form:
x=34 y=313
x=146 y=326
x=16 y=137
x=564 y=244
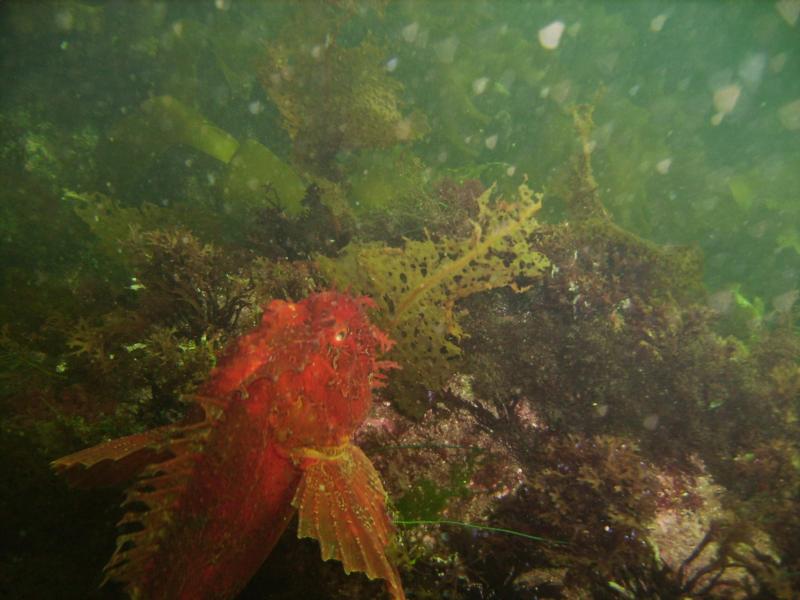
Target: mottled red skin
x=301 y=380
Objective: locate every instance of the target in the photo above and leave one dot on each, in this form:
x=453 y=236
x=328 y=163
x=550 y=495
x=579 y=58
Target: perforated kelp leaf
x=417 y=286
x=342 y=504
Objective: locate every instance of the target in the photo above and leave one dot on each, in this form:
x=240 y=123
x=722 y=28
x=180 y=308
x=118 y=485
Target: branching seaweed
x=417 y=286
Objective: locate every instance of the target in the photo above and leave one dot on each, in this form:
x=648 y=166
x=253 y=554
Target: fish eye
x=340 y=335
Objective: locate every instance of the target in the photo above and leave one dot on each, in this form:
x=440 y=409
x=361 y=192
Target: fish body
x=211 y=498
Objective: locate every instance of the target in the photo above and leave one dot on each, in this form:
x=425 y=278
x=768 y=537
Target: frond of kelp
x=416 y=286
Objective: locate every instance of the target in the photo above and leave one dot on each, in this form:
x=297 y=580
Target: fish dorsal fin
x=150 y=502
x=342 y=504
x=161 y=460
x=118 y=461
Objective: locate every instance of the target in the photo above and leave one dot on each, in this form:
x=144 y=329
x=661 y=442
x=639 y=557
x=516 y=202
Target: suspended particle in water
x=491 y=142
x=751 y=69
x=550 y=35
x=391 y=64
x=650 y=422
x=789 y=10
x=255 y=107
x=446 y=49
x=657 y=23
x=409 y=32
x=725 y=99
x=404 y=129
x=777 y=62
x=479 y=85
x=783 y=303
x=65 y=20
x=663 y=166
x=789 y=115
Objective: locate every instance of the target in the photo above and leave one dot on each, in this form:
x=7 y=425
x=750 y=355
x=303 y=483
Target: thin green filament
x=427 y=447
x=527 y=536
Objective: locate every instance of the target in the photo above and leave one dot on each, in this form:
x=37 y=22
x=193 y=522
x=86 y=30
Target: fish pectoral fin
x=342 y=504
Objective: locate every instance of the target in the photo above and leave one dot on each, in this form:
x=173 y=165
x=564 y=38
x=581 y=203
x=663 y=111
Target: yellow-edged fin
x=342 y=504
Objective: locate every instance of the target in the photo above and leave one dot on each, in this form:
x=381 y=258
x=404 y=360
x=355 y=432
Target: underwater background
x=599 y=395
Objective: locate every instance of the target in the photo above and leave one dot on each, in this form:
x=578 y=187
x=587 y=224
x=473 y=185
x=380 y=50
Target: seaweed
x=335 y=99
x=417 y=285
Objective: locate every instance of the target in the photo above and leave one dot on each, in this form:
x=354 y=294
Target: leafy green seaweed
x=417 y=286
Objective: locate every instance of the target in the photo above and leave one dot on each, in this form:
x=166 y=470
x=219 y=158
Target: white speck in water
x=751 y=69
x=404 y=129
x=255 y=107
x=391 y=64
x=479 y=85
x=491 y=142
x=657 y=23
x=511 y=170
x=725 y=99
x=650 y=422
x=550 y=35
x=789 y=115
x=409 y=32
x=789 y=10
x=777 y=62
x=783 y=303
x=446 y=49
x=65 y=20
x=722 y=301
x=663 y=166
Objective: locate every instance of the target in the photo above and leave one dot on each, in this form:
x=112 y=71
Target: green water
x=594 y=395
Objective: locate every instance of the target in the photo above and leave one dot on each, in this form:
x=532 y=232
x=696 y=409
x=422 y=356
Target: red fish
x=212 y=497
